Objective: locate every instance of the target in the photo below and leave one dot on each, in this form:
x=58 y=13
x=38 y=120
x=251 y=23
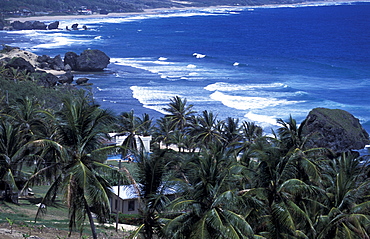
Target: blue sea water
x=255 y=64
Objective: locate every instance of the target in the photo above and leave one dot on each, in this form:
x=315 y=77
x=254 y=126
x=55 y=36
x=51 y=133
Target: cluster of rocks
x=36 y=25
x=51 y=71
x=33 y=25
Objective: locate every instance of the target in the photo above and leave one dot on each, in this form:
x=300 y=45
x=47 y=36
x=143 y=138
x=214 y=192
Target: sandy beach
x=163 y=10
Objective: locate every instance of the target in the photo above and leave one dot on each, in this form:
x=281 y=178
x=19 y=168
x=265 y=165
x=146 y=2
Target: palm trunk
x=91 y=220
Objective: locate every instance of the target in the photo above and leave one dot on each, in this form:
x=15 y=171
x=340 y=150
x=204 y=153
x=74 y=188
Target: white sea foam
x=249 y=102
x=261 y=119
x=223 y=86
x=236 y=64
x=198 y=55
x=152 y=98
x=165 y=69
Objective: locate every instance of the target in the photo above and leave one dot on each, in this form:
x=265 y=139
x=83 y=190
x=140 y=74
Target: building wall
x=125 y=206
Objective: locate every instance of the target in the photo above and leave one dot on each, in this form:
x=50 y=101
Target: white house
x=145 y=139
x=128 y=201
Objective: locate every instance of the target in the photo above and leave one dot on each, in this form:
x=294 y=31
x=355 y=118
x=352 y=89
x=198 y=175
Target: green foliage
x=131 y=219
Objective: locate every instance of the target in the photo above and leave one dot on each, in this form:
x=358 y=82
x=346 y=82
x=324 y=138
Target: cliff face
x=335 y=129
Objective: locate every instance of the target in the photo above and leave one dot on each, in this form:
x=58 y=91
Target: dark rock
x=45 y=79
x=17 y=25
x=7 y=48
x=53 y=25
x=67 y=78
x=20 y=64
x=43 y=58
x=92 y=60
x=75 y=26
x=27 y=25
x=70 y=58
x=67 y=67
x=57 y=63
x=81 y=81
x=334 y=129
x=37 y=25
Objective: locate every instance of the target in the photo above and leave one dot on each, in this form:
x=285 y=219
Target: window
x=131 y=205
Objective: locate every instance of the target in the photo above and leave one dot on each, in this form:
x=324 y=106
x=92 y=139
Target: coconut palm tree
x=163 y=131
x=80 y=134
x=231 y=132
x=206 y=129
x=285 y=196
x=347 y=203
x=130 y=126
x=153 y=186
x=12 y=154
x=210 y=206
x=179 y=112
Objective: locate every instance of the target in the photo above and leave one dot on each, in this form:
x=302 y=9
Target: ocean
x=251 y=63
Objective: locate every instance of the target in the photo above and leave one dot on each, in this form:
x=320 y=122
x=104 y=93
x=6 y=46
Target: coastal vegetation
x=231 y=179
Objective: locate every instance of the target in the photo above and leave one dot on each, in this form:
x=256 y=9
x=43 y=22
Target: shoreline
x=154 y=11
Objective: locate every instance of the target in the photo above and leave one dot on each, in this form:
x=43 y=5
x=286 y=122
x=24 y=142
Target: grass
x=23 y=215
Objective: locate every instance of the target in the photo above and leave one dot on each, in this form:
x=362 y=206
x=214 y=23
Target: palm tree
x=347 y=202
x=231 y=132
x=80 y=135
x=146 y=127
x=163 y=131
x=286 y=197
x=210 y=207
x=130 y=125
x=179 y=112
x=12 y=155
x=206 y=129
x=152 y=184
x=290 y=134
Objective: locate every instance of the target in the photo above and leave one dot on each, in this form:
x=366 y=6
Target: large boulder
x=20 y=64
x=17 y=25
x=28 y=25
x=334 y=129
x=92 y=60
x=57 y=63
x=67 y=78
x=70 y=58
x=53 y=25
x=45 y=79
x=37 y=25
x=82 y=81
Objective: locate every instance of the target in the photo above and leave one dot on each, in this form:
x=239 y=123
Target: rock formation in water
x=334 y=129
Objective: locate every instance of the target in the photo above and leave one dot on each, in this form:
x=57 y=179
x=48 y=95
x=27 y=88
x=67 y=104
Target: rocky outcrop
x=45 y=68
x=70 y=59
x=45 y=79
x=46 y=62
x=67 y=78
x=88 y=60
x=82 y=81
x=334 y=129
x=75 y=26
x=53 y=25
x=28 y=25
x=20 y=64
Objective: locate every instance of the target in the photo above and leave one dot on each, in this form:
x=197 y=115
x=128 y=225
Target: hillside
x=41 y=7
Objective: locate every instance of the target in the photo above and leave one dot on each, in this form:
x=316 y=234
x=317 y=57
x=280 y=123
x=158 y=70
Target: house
x=118 y=139
x=128 y=201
